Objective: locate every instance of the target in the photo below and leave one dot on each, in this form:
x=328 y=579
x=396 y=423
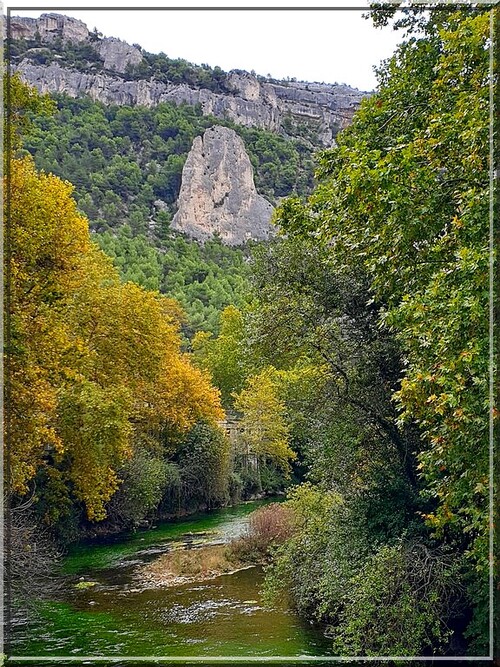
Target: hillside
x=57 y=53
x=130 y=131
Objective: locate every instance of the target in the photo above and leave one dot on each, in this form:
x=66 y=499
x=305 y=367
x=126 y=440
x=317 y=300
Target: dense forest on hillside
x=126 y=162
x=204 y=279
x=352 y=351
x=126 y=165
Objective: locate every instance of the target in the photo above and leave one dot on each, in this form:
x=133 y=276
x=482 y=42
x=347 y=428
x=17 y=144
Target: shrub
x=403 y=601
x=204 y=463
x=272 y=478
x=235 y=487
x=301 y=563
x=145 y=478
x=268 y=527
x=31 y=567
x=251 y=481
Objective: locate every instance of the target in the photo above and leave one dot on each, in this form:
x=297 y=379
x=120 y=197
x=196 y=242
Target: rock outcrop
x=218 y=194
x=115 y=54
x=48 y=27
x=111 y=90
x=252 y=101
x=118 y=55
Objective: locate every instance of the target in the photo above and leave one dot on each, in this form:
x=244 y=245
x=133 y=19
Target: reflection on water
x=120 y=616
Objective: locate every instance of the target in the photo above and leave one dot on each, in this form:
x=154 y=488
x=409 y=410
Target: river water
x=117 y=615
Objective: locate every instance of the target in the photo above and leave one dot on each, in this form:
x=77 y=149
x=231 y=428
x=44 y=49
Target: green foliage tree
x=318 y=323
x=134 y=256
x=416 y=188
x=405 y=196
x=224 y=356
x=204 y=463
x=143 y=482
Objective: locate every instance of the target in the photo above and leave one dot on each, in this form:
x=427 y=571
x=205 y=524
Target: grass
x=182 y=566
x=268 y=527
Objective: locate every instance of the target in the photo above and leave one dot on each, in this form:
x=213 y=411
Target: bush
x=268 y=527
x=307 y=569
x=404 y=598
x=272 y=478
x=235 y=487
x=145 y=478
x=403 y=601
x=33 y=557
x=203 y=460
x=251 y=481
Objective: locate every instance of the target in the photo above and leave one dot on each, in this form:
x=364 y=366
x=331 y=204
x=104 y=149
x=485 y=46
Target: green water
x=120 y=616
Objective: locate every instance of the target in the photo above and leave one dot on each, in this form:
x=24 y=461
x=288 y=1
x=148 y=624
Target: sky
x=331 y=46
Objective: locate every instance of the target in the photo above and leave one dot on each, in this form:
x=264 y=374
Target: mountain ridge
x=114 y=72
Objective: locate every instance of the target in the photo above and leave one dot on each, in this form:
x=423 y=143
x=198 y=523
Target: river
x=105 y=609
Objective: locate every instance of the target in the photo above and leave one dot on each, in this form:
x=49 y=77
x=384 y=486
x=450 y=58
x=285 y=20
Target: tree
x=224 y=356
x=416 y=189
x=143 y=482
x=133 y=380
x=203 y=458
x=47 y=238
x=405 y=195
x=318 y=323
x=264 y=431
x=22 y=102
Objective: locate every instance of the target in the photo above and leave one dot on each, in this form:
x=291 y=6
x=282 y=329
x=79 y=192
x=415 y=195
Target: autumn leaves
x=92 y=363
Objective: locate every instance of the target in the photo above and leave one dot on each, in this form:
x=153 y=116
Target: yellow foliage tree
x=264 y=431
x=91 y=363
x=46 y=238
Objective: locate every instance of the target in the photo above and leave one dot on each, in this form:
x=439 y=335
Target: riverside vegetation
x=354 y=349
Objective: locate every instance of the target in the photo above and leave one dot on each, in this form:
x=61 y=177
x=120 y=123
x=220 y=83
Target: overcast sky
x=337 y=46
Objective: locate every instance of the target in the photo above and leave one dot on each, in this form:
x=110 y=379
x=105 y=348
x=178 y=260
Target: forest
x=354 y=350
x=126 y=165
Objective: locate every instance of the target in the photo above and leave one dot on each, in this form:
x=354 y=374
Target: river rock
x=218 y=194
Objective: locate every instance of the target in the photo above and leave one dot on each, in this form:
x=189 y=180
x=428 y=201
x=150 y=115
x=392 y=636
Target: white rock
x=218 y=194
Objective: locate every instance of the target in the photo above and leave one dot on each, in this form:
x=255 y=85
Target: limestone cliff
x=118 y=55
x=111 y=90
x=252 y=101
x=218 y=194
x=48 y=28
x=115 y=54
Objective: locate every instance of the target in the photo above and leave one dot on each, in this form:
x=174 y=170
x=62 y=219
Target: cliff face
x=115 y=54
x=218 y=194
x=111 y=90
x=118 y=55
x=252 y=102
x=48 y=27
x=58 y=54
